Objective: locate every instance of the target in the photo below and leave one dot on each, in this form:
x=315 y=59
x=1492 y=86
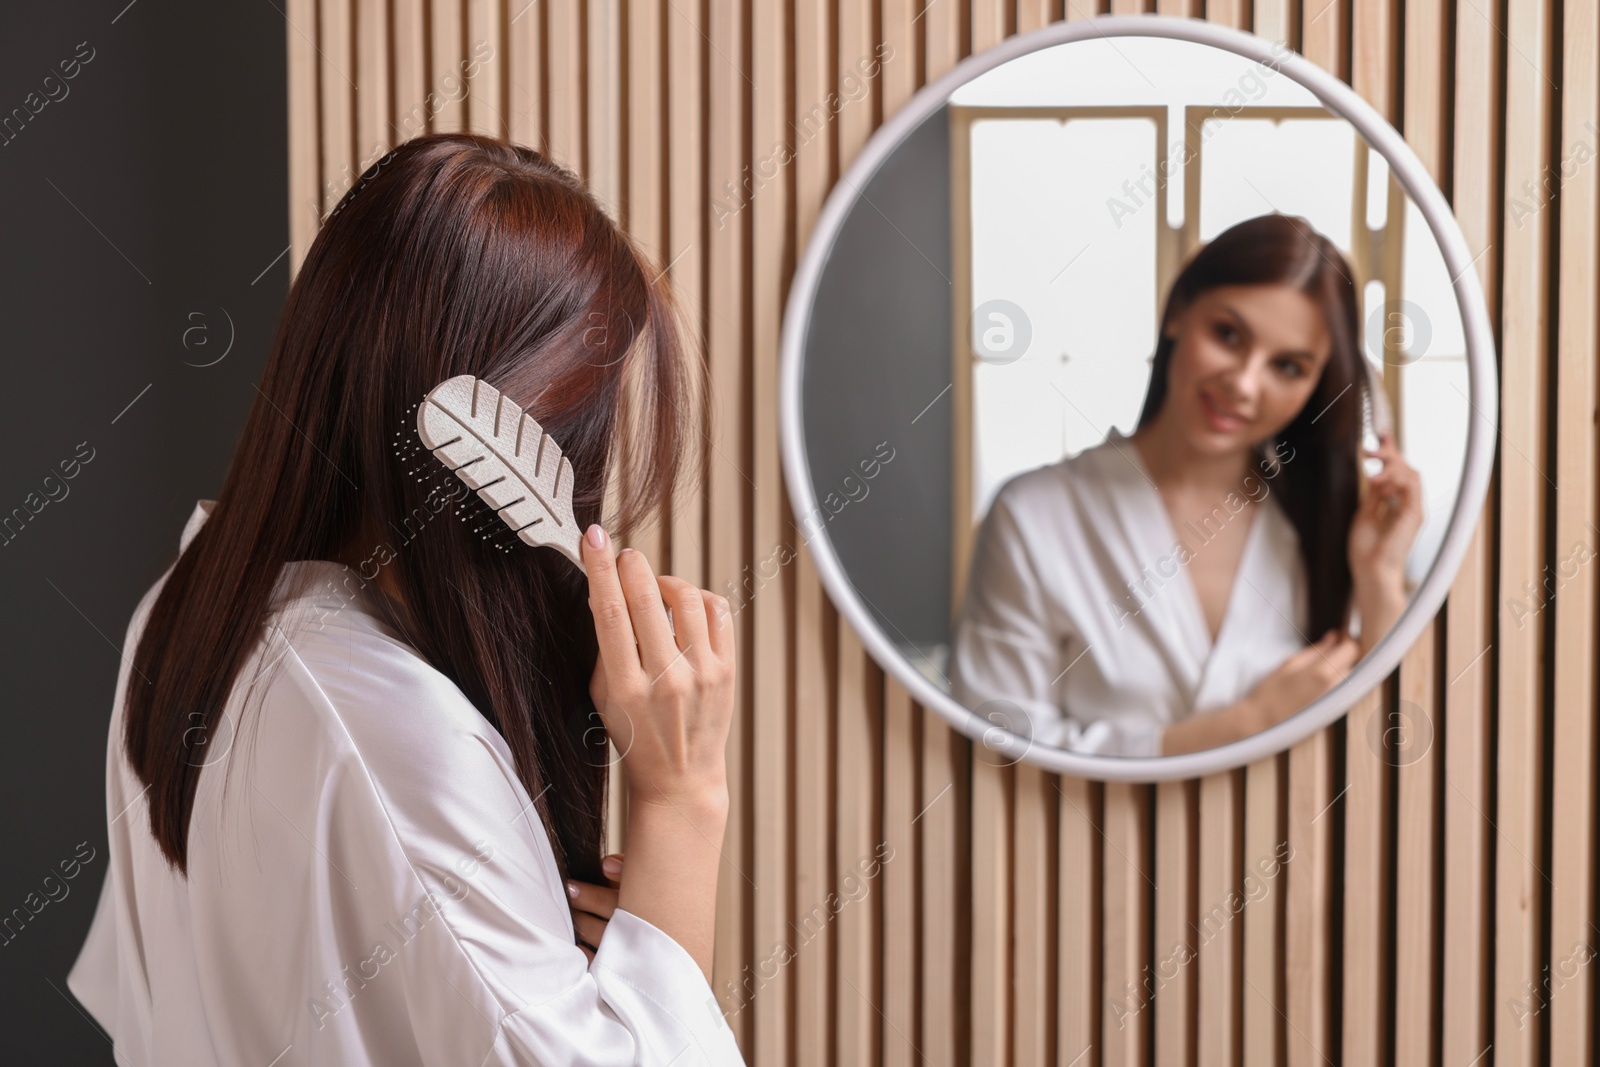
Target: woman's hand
x=593 y=905
x=1304 y=677
x=1381 y=535
x=665 y=694
x=1387 y=520
x=664 y=689
x=1300 y=679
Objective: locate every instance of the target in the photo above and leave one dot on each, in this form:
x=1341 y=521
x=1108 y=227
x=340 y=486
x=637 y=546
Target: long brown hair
x=1320 y=487
x=453 y=254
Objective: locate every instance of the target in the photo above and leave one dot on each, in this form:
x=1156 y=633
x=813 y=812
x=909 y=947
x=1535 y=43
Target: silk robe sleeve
x=1014 y=642
x=477 y=866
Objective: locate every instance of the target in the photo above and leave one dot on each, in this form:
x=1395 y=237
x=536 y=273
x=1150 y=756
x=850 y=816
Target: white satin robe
x=371 y=886
x=1080 y=628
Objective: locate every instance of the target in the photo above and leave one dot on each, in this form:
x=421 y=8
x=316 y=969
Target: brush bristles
x=420 y=463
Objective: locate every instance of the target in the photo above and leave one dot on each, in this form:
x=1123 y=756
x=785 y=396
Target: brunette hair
x=453 y=254
x=1321 y=489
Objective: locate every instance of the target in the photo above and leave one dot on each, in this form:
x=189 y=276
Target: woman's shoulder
x=1066 y=485
x=363 y=682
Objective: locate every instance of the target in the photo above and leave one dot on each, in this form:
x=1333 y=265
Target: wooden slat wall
x=1439 y=906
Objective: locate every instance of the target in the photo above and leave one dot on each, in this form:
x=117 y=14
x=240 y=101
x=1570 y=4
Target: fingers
x=612 y=867
x=720 y=626
x=689 y=617
x=1313 y=652
x=613 y=625
x=592 y=907
x=1344 y=655
x=588 y=898
x=588 y=928
x=648 y=613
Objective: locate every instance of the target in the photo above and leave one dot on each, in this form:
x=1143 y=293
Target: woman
x=1158 y=593
x=356 y=769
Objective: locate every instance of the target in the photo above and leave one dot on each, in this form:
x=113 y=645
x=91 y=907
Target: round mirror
x=1138 y=398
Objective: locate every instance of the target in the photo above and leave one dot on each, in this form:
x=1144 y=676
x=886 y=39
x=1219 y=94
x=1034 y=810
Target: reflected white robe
x=370 y=887
x=1080 y=627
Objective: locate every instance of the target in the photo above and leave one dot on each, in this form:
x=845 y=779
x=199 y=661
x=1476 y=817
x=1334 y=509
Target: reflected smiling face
x=1245 y=361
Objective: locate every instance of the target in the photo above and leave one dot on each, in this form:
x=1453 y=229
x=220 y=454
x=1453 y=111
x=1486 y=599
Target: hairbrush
x=500 y=451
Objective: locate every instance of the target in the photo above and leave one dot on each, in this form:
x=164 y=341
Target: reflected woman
x=1214 y=572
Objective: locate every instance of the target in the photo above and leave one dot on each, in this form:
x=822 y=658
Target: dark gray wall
x=143 y=207
x=877 y=355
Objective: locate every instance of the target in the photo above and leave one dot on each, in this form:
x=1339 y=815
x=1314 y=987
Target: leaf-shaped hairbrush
x=496 y=448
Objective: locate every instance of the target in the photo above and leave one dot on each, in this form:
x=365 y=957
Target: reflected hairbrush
x=500 y=451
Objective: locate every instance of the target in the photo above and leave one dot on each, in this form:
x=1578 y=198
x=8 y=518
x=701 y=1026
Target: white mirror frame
x=1481 y=368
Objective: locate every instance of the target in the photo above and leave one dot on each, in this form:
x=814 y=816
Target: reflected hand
x=1304 y=677
x=593 y=905
x=1386 y=522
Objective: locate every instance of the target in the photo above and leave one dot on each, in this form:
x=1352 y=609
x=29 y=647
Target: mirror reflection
x=1174 y=384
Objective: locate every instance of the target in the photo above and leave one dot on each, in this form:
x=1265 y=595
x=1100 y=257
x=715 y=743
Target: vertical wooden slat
x=445 y=77
x=305 y=129
x=946 y=936
x=685 y=248
x=813 y=615
x=1034 y=14
x=771 y=682
x=857 y=731
x=485 y=68
x=1262 y=998
x=1218 y=927
x=1124 y=1018
x=1032 y=902
x=1309 y=965
x=990 y=911
x=564 y=58
x=372 y=79
x=604 y=116
x=729 y=489
x=1176 y=976
x=646 y=205
x=898 y=882
x=525 y=58
x=1521 y=877
x=1078 y=881
x=336 y=69
x=1577 y=540
x=409 y=29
